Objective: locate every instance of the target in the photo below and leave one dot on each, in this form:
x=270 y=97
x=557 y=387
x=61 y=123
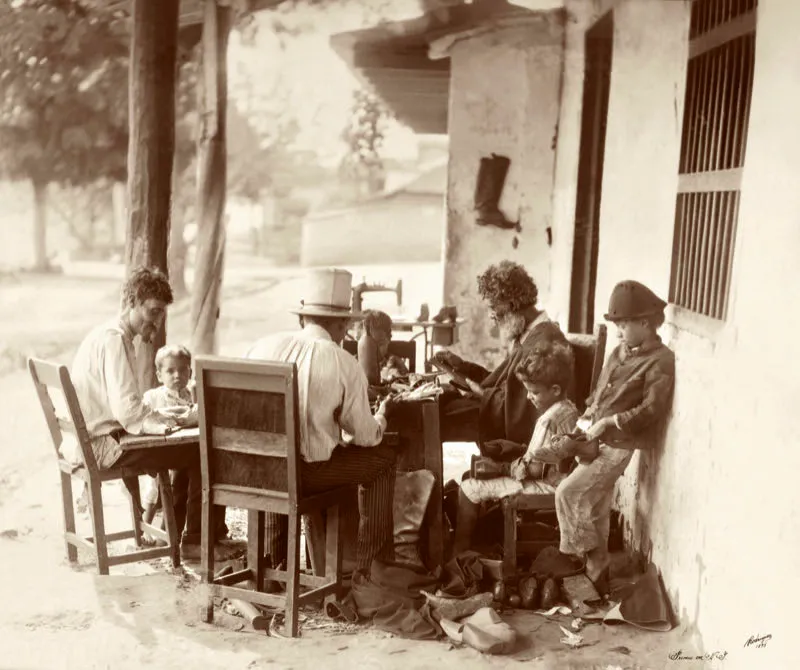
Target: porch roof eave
x=191 y=11
x=394 y=60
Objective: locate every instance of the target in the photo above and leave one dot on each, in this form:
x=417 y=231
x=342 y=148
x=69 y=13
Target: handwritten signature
x=758 y=641
x=754 y=641
x=711 y=656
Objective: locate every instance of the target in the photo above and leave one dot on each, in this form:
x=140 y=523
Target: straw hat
x=328 y=292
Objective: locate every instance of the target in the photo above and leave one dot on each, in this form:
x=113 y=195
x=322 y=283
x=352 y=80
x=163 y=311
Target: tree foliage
x=63 y=114
x=362 y=165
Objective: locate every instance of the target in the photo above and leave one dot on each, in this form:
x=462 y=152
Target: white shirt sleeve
x=356 y=418
x=124 y=398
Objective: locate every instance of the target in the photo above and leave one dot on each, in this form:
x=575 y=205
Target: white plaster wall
x=716 y=506
x=581 y=15
x=504 y=98
x=753 y=549
x=640 y=174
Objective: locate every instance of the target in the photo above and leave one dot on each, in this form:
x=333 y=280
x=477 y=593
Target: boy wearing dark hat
x=627 y=411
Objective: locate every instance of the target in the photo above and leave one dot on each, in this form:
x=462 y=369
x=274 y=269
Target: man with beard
x=496 y=408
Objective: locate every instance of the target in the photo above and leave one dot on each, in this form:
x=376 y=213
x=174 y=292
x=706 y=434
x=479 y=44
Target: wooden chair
x=47 y=376
x=405 y=349
x=250 y=459
x=589 y=353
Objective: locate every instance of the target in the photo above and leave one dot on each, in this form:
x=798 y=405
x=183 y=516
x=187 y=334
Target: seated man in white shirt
x=333 y=400
x=110 y=393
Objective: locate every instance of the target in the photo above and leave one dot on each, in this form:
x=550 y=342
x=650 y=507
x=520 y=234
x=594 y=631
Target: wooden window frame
x=712 y=158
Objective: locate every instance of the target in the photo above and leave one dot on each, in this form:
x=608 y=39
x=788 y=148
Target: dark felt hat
x=632 y=300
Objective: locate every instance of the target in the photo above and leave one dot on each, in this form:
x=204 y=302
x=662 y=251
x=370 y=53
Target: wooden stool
x=511 y=546
x=48 y=375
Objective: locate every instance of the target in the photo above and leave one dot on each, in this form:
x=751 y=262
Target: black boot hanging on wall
x=491 y=179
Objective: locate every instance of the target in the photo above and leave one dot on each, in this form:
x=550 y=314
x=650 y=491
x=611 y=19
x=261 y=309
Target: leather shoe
x=503 y=450
x=486 y=468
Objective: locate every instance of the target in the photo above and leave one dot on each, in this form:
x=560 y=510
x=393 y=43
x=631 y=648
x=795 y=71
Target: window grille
x=719 y=85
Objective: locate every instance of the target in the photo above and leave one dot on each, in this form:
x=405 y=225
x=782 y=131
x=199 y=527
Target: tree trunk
x=40 y=261
x=152 y=76
x=210 y=246
x=177 y=247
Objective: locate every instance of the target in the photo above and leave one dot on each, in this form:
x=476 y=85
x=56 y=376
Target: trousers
x=583 y=502
x=373 y=469
x=183 y=462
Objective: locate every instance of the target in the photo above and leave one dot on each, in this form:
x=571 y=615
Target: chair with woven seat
x=539 y=496
x=49 y=376
x=250 y=459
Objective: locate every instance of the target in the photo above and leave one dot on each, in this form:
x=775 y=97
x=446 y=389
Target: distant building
x=401 y=225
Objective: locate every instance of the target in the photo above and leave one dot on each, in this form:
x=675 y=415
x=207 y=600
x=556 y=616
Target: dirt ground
x=57 y=616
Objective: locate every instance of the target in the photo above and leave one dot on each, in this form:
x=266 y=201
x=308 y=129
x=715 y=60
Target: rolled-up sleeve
x=124 y=399
x=356 y=418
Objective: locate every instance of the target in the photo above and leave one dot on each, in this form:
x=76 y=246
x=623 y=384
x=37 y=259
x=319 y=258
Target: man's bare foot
x=597 y=572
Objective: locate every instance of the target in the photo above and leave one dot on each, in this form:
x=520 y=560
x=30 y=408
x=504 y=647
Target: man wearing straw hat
x=335 y=416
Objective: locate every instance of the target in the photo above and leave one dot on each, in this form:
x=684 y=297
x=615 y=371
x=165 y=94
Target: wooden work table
x=182 y=436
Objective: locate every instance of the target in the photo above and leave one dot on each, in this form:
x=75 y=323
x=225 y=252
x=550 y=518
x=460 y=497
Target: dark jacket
x=637 y=386
x=505 y=411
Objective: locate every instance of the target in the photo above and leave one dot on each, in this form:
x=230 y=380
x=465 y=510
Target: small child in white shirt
x=173 y=398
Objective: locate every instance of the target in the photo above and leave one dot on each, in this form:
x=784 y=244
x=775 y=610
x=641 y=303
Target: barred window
x=719 y=84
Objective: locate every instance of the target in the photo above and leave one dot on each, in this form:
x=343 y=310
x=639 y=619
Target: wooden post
x=153 y=71
x=212 y=172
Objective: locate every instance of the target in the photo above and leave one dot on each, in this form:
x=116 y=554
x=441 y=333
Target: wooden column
x=212 y=167
x=153 y=71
